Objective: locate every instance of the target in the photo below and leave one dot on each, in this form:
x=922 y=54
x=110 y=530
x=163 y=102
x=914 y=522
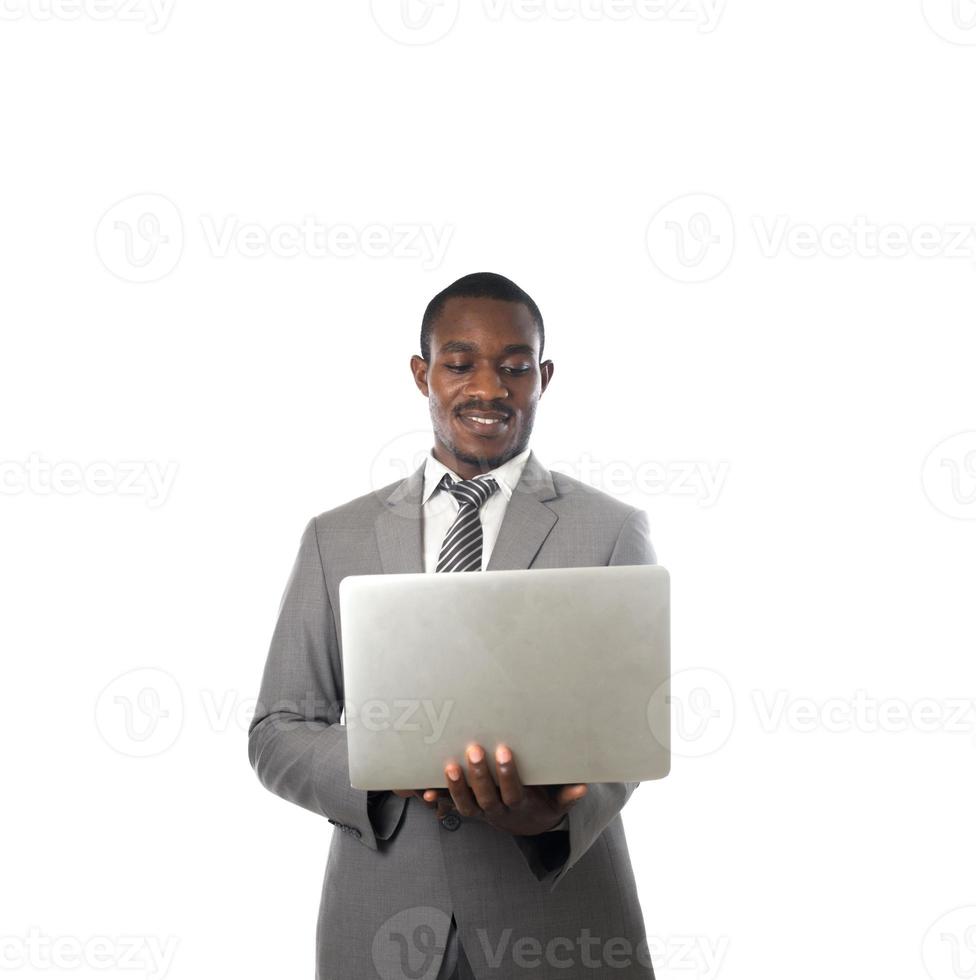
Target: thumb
x=569 y=796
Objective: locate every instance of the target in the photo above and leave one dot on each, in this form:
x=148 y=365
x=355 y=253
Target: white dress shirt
x=440 y=509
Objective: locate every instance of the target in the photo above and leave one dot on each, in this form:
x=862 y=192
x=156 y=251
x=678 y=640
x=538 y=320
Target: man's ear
x=546 y=369
x=418 y=368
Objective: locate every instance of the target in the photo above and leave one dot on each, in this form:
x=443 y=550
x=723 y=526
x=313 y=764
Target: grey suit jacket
x=556 y=905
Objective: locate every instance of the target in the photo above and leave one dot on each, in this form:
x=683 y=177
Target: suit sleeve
x=551 y=855
x=295 y=742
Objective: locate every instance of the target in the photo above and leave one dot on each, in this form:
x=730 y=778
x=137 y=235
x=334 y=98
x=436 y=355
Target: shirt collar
x=507 y=475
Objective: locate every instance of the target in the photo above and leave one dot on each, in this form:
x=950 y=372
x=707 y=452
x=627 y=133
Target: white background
x=797 y=324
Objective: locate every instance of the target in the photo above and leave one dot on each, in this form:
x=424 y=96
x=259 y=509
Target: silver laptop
x=568 y=666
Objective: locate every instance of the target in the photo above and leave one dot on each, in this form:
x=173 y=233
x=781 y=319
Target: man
x=478 y=880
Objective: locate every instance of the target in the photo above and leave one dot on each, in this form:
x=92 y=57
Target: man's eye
x=464 y=367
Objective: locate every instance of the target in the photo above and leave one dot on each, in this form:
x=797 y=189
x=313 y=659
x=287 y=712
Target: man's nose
x=486 y=384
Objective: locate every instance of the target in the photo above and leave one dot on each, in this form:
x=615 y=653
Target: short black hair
x=478 y=285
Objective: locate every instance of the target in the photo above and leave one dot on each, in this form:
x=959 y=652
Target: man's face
x=484 y=363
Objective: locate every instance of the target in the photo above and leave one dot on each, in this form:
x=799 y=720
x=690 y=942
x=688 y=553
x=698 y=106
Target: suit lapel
x=527 y=521
x=526 y=524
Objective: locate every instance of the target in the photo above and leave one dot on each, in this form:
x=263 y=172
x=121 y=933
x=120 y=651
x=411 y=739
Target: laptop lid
x=567 y=666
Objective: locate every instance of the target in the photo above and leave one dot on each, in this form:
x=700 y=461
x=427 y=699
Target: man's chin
x=481 y=456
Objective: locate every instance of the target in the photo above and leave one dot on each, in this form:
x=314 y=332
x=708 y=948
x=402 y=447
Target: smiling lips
x=486 y=422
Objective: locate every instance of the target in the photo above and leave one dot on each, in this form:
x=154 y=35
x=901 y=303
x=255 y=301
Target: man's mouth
x=485 y=423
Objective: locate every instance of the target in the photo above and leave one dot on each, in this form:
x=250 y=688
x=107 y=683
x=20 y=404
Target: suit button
x=451 y=822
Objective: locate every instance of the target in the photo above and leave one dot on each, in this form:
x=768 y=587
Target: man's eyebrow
x=466 y=347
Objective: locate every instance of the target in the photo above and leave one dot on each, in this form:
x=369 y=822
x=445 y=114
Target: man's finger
x=464 y=801
x=422 y=794
x=444 y=806
x=509 y=781
x=432 y=797
x=567 y=796
x=479 y=779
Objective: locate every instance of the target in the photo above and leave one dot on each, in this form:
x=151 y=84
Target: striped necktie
x=461 y=550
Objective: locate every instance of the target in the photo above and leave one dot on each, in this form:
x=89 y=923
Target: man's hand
x=521 y=810
x=421 y=794
x=431 y=797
